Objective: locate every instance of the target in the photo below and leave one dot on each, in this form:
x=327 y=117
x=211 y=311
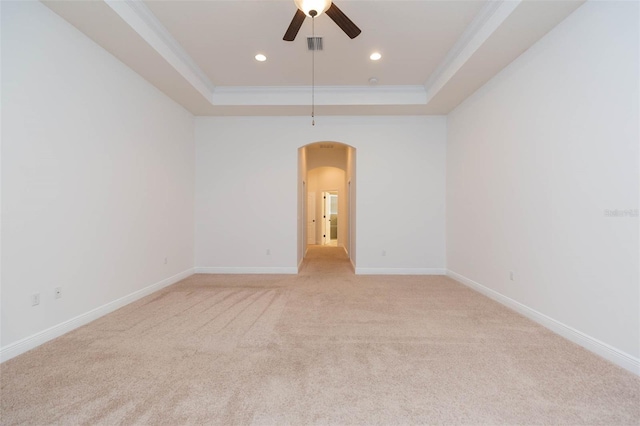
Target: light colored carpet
x=323 y=347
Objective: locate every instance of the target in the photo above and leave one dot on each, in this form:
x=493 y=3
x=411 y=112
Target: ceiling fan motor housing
x=311 y=6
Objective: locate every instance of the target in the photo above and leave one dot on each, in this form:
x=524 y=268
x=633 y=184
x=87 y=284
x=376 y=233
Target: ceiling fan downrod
x=313 y=14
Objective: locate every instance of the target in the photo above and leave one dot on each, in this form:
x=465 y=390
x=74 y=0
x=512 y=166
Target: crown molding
x=175 y=73
x=138 y=16
x=486 y=22
x=324 y=95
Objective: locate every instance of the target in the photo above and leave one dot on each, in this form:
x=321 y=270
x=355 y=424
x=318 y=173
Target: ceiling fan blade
x=294 y=26
x=343 y=22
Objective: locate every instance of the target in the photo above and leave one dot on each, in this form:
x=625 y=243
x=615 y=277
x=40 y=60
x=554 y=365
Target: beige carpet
x=323 y=347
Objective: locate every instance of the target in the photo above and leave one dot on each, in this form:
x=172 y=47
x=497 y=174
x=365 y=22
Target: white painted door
x=326 y=218
x=311 y=218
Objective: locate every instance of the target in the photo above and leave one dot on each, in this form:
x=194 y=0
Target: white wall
x=534 y=160
x=327 y=157
x=247 y=191
x=97 y=180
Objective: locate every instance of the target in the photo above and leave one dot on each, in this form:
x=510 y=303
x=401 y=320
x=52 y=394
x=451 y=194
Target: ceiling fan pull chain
x=313 y=74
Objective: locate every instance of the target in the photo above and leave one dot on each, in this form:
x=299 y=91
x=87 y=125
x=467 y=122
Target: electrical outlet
x=511 y=276
x=58 y=292
x=165 y=260
x=268 y=252
x=384 y=252
x=35 y=299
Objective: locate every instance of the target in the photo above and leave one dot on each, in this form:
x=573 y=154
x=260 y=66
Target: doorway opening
x=326 y=207
x=330 y=217
x=325 y=214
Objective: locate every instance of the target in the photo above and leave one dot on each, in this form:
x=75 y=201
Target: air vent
x=325 y=146
x=314 y=43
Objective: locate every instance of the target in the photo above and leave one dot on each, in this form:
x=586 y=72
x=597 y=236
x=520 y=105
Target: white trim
x=35 y=340
x=400 y=271
x=141 y=20
x=240 y=270
x=325 y=95
x=486 y=22
x=300 y=263
x=618 y=357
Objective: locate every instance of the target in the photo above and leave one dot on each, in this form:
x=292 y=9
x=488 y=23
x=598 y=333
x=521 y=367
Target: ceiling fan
x=314 y=8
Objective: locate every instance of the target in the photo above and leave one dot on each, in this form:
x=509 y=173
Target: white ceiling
x=201 y=53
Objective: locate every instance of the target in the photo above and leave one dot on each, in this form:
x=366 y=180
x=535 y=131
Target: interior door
x=326 y=218
x=311 y=218
x=333 y=218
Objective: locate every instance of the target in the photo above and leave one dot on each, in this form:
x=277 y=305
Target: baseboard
x=21 y=346
x=618 y=357
x=300 y=264
x=400 y=271
x=246 y=270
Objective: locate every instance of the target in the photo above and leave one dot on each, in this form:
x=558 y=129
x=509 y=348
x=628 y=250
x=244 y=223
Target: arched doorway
x=326 y=169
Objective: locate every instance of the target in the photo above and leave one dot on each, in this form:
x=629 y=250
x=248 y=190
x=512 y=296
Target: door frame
x=326 y=214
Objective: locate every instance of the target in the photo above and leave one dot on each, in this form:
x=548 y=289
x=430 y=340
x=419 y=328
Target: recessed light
x=260 y=57
x=375 y=56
